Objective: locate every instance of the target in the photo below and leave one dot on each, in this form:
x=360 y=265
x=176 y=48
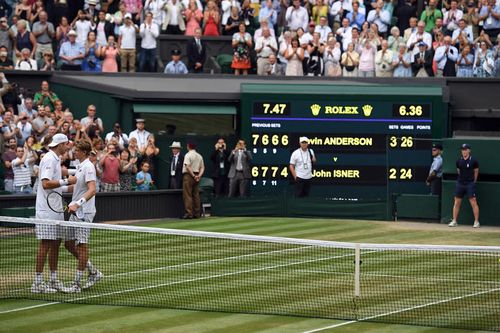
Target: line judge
x=301 y=166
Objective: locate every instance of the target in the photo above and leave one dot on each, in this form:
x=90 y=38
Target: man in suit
x=176 y=162
x=196 y=53
x=173 y=22
x=273 y=68
x=422 y=64
x=220 y=168
x=239 y=172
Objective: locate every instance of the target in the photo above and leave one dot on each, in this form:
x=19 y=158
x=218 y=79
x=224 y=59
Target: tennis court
x=261 y=285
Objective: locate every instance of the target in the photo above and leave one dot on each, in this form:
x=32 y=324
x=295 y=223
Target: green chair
x=207 y=193
x=224 y=61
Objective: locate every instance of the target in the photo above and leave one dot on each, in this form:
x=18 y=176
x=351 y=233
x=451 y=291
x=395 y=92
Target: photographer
x=42 y=122
x=383 y=61
x=110 y=170
x=220 y=168
x=239 y=172
x=119 y=135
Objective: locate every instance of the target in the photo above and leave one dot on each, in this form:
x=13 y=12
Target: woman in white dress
x=294 y=54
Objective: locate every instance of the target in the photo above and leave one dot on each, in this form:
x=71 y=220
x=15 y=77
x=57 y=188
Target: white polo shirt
x=302 y=161
x=128 y=34
x=85 y=172
x=50 y=168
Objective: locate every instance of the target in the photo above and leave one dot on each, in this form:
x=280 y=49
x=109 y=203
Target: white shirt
x=337 y=5
x=323 y=31
x=25 y=129
x=122 y=141
x=306 y=38
x=141 y=137
x=441 y=56
x=266 y=42
x=85 y=172
x=101 y=34
x=451 y=18
x=155 y=7
x=346 y=34
x=149 y=33
x=383 y=19
x=467 y=31
x=128 y=36
x=174 y=15
x=50 y=168
x=297 y=18
x=27 y=65
x=302 y=162
x=82 y=29
x=426 y=38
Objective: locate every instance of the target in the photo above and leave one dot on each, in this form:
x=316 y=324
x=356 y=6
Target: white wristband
x=63 y=182
x=64 y=189
x=81 y=201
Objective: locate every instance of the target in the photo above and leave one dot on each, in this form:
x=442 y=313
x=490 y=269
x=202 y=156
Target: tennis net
x=441 y=286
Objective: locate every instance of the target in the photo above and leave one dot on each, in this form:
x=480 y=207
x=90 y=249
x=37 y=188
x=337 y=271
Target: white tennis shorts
x=80 y=235
x=45 y=231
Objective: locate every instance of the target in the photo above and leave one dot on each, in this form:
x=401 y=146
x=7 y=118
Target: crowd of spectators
x=28 y=122
x=367 y=38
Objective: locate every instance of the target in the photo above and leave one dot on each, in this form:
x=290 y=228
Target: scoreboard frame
x=390 y=116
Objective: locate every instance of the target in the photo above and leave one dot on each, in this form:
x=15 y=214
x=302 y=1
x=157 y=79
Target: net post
x=357 y=270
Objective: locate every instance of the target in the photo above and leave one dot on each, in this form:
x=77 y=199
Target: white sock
x=53 y=276
x=78 y=276
x=38 y=278
x=90 y=267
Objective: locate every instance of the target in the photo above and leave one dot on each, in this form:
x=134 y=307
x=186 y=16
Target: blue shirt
x=437 y=166
x=72 y=50
x=147 y=184
x=175 y=68
x=466 y=169
x=360 y=19
x=265 y=13
x=490 y=22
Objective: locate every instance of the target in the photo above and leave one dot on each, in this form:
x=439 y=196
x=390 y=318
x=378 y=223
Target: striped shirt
x=21 y=173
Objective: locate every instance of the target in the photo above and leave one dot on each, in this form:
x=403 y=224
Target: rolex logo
x=367 y=110
x=315 y=108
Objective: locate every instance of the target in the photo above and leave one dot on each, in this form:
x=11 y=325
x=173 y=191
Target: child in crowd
x=143 y=178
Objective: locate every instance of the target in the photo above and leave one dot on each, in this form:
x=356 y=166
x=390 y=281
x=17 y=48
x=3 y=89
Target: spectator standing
x=436 y=171
x=103 y=29
x=176 y=66
x=462 y=30
x=412 y=28
x=45 y=97
x=383 y=61
x=128 y=169
x=24 y=39
x=72 y=53
x=5 y=62
x=296 y=16
x=5 y=37
x=82 y=25
x=117 y=133
x=44 y=33
x=155 y=7
x=20 y=169
x=126 y=44
x=173 y=21
x=263 y=25
x=268 y=13
x=110 y=53
x=149 y=32
x=381 y=17
x=301 y=167
x=140 y=135
x=496 y=56
x=233 y=22
x=150 y=155
x=490 y=14
x=417 y=37
x=484 y=62
x=264 y=46
x=471 y=17
x=92 y=62
x=402 y=62
x=7 y=157
x=9 y=128
x=323 y=29
x=367 y=60
x=220 y=168
x=227 y=8
x=192 y=172
x=395 y=39
x=92 y=120
x=465 y=63
x=194 y=17
x=23 y=10
x=344 y=33
x=239 y=172
x=338 y=10
x=404 y=14
x=134 y=7
x=446 y=57
x=176 y=165
x=24 y=128
x=196 y=53
x=350 y=61
x=143 y=178
x=294 y=55
x=211 y=19
x=110 y=170
x=62 y=32
x=422 y=63
x=331 y=58
x=41 y=124
x=241 y=43
x=452 y=17
x=430 y=15
x=27 y=107
x=468 y=172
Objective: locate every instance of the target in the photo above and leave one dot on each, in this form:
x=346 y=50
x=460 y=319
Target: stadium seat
x=224 y=61
x=207 y=190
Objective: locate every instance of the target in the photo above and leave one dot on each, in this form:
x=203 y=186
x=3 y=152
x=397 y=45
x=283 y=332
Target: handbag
x=350 y=68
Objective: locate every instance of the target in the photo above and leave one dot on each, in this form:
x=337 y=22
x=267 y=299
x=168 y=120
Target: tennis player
x=50 y=177
x=83 y=209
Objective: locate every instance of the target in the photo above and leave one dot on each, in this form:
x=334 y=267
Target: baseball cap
x=176 y=52
x=303 y=139
x=128 y=15
x=72 y=33
x=465 y=146
x=437 y=146
x=58 y=139
x=422 y=44
x=140 y=120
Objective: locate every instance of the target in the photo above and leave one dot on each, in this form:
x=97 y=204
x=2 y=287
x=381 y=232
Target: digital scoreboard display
x=368 y=144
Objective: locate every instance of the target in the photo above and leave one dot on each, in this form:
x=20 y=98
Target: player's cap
x=176 y=144
x=303 y=139
x=72 y=33
x=465 y=146
x=176 y=52
x=354 y=26
x=58 y=139
x=437 y=146
x=128 y=16
x=140 y=120
x=422 y=44
x=92 y=2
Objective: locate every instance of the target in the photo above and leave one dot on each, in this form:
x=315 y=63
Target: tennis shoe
x=56 y=284
x=42 y=288
x=93 y=278
x=74 y=288
x=476 y=224
x=452 y=224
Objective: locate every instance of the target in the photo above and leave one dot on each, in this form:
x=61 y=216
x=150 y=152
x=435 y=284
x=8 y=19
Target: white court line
x=179 y=282
x=403 y=310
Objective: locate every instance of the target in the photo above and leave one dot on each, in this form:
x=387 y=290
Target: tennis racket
x=58 y=204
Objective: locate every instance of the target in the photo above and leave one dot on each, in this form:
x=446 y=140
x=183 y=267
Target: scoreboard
x=369 y=141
